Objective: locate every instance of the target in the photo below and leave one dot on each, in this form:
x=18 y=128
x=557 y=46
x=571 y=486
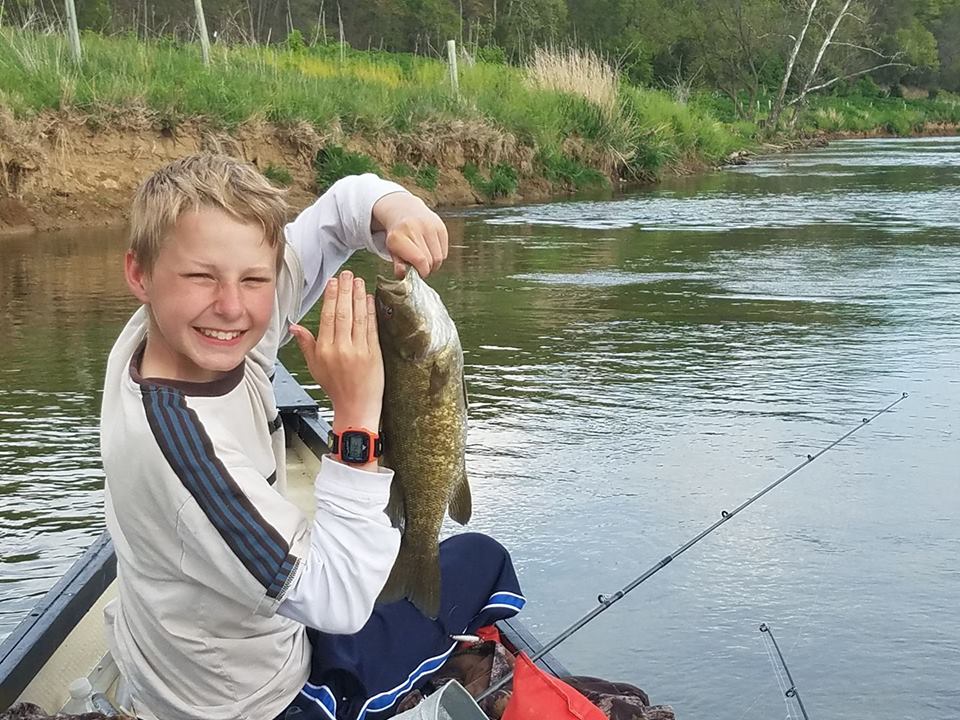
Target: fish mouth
x=393 y=290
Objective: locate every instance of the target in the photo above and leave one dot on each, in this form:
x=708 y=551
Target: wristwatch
x=356 y=446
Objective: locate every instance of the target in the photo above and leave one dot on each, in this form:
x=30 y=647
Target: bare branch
x=869 y=50
x=846 y=77
x=874 y=51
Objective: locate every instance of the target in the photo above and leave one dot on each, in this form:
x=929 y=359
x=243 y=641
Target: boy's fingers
x=359 y=313
x=343 y=319
x=436 y=250
x=408 y=250
x=328 y=312
x=373 y=342
x=444 y=239
x=399 y=268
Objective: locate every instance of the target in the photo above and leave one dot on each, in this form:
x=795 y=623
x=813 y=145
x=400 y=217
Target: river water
x=635 y=367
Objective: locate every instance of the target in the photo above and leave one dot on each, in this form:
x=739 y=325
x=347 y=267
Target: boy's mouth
x=221 y=335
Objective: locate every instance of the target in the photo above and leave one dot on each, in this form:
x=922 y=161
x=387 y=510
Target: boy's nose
x=228 y=303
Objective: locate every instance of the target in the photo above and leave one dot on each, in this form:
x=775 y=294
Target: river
x=635 y=367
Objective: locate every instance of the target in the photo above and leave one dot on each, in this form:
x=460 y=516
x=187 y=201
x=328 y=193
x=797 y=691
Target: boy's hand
x=345 y=357
x=415 y=234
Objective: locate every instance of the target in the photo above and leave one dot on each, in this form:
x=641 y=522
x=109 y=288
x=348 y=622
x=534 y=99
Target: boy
x=231 y=604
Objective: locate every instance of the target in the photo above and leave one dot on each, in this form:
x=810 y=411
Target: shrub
x=427 y=177
x=492 y=54
x=502 y=181
x=564 y=169
x=295 y=42
x=334 y=162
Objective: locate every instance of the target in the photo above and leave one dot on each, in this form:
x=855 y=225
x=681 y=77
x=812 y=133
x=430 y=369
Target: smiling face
x=210 y=295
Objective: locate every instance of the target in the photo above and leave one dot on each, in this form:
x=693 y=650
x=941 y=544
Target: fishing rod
x=790 y=692
x=607 y=600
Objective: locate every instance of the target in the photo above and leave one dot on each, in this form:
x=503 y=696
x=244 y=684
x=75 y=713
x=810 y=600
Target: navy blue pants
x=364 y=675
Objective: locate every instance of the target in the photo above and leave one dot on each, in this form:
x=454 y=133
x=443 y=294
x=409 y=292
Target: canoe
x=62 y=638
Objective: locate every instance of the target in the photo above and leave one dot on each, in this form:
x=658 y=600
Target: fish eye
x=389 y=311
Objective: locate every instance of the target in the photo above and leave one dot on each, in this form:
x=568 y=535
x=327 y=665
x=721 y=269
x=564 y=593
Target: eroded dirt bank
x=58 y=171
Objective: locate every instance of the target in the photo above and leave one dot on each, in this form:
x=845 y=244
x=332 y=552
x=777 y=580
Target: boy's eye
x=199 y=276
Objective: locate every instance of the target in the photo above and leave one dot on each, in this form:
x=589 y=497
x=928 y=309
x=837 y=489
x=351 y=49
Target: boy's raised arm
x=363 y=211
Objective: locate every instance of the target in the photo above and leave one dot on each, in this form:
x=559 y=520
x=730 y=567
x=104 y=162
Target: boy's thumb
x=302 y=336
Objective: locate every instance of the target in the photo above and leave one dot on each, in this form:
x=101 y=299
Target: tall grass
x=577 y=72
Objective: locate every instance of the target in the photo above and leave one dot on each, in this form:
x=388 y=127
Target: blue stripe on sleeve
x=186 y=446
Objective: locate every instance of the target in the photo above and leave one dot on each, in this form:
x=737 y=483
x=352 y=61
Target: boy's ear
x=136 y=277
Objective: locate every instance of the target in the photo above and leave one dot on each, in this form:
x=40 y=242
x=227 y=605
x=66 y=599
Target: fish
x=424 y=431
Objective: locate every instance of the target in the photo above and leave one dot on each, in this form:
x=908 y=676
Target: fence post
x=202 y=27
x=454 y=75
x=73 y=33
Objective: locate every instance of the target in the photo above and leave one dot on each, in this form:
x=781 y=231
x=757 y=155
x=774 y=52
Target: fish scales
x=424 y=428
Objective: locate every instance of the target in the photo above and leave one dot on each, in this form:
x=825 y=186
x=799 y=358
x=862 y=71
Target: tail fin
x=415 y=576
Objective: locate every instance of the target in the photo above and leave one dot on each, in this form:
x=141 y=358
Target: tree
x=857 y=41
x=947 y=32
x=523 y=24
x=739 y=44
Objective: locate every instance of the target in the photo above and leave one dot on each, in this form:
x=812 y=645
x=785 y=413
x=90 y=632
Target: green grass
x=334 y=162
x=278 y=175
x=897 y=116
x=161 y=83
x=500 y=182
x=427 y=177
x=401 y=170
x=568 y=171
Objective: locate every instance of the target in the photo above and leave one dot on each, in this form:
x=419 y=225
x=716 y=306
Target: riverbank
x=75 y=141
x=59 y=172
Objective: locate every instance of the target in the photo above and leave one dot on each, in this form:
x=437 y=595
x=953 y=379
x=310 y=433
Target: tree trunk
x=823 y=48
x=774 y=116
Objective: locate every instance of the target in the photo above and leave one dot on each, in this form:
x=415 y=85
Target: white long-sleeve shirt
x=217 y=571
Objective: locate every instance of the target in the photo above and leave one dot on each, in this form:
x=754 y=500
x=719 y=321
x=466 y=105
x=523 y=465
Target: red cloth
x=489 y=632
x=540 y=696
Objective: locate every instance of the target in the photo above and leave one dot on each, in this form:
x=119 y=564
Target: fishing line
x=791 y=691
x=781 y=681
x=605 y=601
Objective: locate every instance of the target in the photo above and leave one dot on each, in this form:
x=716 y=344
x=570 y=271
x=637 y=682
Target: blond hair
x=203 y=181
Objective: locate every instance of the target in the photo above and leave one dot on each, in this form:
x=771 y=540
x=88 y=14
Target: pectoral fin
x=396 y=507
x=461 y=504
x=439 y=377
